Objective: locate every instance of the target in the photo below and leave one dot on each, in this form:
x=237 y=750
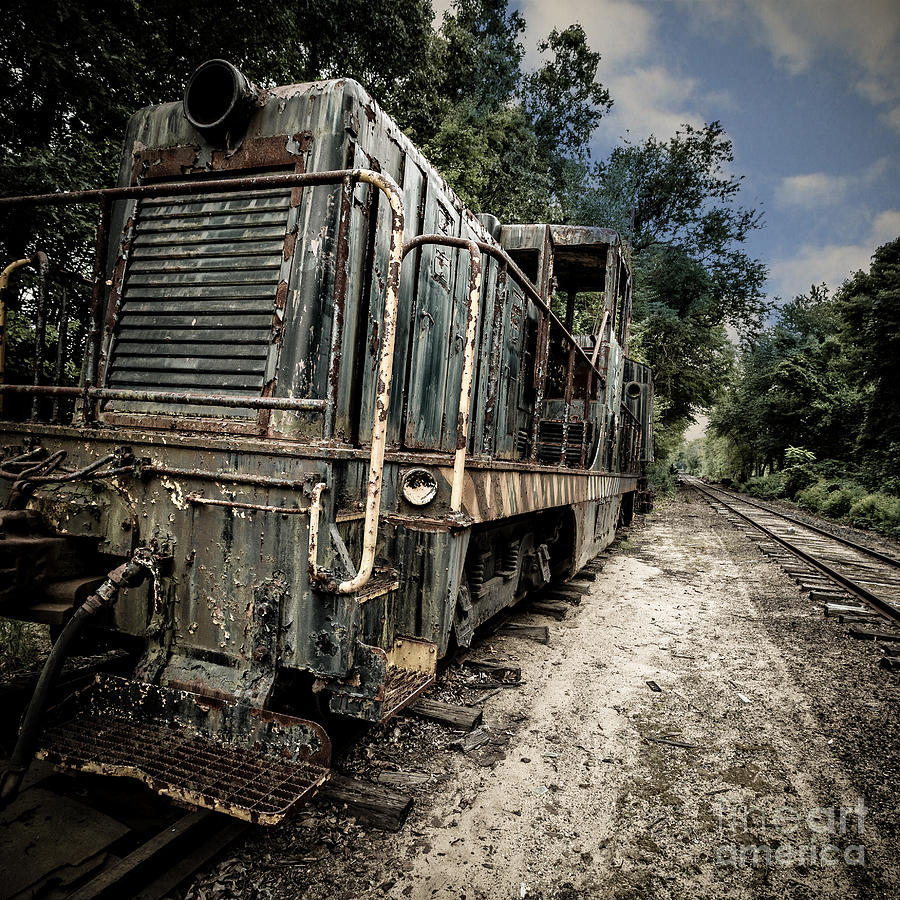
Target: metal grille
x=237 y=780
x=199 y=294
x=550 y=435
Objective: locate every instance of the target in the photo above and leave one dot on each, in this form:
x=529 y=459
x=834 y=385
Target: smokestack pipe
x=219 y=98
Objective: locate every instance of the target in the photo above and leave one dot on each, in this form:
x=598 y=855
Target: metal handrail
x=390 y=189
x=465 y=387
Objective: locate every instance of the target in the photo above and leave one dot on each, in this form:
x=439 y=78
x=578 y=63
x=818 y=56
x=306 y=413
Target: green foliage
x=510 y=143
x=766 y=487
x=661 y=477
x=878 y=512
x=797 y=477
x=798 y=456
x=824 y=378
x=840 y=497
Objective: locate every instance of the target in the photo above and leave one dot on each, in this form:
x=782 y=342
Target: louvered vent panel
x=198 y=297
x=550 y=436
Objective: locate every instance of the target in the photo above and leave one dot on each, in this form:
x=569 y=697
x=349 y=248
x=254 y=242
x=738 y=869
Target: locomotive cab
x=328 y=422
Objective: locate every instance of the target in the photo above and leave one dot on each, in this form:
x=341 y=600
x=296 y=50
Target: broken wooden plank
x=464 y=718
x=379 y=806
x=586 y=575
x=472 y=741
x=558 y=610
x=539 y=633
x=499 y=671
x=829 y=597
x=874 y=634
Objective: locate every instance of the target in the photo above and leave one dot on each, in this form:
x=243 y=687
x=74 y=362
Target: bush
x=662 y=479
x=812 y=497
x=766 y=487
x=879 y=512
x=839 y=497
x=797 y=478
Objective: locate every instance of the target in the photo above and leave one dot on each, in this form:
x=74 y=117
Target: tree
x=869 y=308
x=676 y=202
x=510 y=143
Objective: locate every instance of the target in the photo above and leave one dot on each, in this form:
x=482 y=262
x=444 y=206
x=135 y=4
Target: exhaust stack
x=219 y=98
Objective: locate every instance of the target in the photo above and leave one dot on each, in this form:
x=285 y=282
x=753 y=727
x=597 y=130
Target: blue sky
x=808 y=90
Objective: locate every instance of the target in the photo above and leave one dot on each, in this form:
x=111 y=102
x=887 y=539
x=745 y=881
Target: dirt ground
x=695 y=728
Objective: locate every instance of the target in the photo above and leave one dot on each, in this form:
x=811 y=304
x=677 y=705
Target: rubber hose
x=20 y=761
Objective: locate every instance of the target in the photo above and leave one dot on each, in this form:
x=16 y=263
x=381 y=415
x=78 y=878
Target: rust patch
x=290 y=244
x=258 y=153
x=165 y=163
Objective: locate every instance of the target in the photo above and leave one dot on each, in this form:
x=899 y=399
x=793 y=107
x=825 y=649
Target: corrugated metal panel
x=198 y=296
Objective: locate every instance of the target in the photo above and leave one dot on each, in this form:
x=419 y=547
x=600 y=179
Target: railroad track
x=835 y=570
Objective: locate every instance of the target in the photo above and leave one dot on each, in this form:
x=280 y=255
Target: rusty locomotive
x=327 y=424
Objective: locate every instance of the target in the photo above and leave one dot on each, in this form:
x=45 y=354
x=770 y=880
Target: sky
x=808 y=91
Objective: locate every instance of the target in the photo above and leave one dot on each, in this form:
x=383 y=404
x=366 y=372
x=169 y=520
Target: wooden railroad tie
x=874 y=634
x=581 y=588
x=558 y=610
x=539 y=633
x=573 y=598
x=840 y=609
x=463 y=718
x=374 y=804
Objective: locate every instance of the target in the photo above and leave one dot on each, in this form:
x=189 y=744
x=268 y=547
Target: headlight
x=418 y=487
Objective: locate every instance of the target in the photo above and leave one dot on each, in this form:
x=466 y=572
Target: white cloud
x=820 y=189
x=650 y=101
x=831 y=263
x=648 y=97
x=622 y=30
x=800 y=32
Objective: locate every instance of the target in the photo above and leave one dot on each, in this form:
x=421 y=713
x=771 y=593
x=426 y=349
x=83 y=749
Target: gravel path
x=761 y=759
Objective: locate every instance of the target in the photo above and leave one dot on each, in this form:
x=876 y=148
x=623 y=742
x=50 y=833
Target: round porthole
x=633 y=390
x=418 y=487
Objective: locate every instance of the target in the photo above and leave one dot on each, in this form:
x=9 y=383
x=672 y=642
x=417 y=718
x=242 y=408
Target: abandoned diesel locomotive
x=327 y=425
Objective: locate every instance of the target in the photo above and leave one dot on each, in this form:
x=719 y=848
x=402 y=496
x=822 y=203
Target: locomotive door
x=437 y=332
x=371 y=229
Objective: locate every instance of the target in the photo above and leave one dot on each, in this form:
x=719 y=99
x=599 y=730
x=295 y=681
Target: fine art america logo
x=788 y=836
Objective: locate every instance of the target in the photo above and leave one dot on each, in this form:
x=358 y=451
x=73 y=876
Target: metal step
x=249 y=763
x=385 y=682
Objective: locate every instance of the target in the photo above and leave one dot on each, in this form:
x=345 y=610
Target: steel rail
x=883 y=557
x=883 y=607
